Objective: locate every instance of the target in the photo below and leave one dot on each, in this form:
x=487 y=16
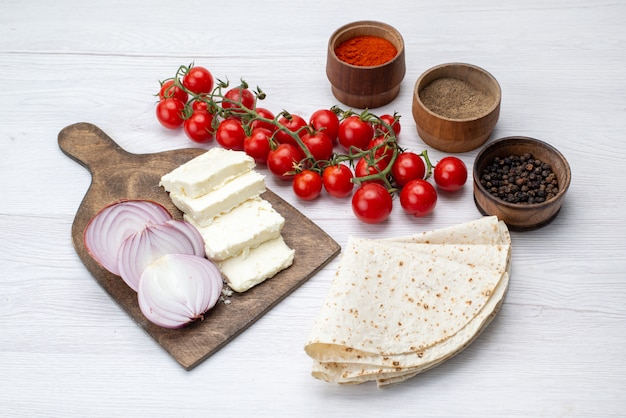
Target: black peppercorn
x=520 y=179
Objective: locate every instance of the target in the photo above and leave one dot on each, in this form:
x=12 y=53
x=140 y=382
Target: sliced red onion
x=106 y=232
x=178 y=289
x=139 y=250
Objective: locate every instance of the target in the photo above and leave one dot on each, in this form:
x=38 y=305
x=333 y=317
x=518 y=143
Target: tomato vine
x=370 y=142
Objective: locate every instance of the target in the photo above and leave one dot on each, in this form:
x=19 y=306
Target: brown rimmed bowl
x=365 y=87
x=456 y=135
x=520 y=217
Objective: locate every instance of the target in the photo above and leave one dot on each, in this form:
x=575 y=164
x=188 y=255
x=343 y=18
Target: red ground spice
x=366 y=51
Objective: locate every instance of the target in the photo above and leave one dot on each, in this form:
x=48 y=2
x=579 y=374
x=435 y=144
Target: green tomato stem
x=429 y=165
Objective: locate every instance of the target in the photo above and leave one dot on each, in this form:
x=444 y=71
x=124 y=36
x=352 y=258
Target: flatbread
x=400 y=306
x=383 y=381
x=404 y=298
x=357 y=372
x=487 y=230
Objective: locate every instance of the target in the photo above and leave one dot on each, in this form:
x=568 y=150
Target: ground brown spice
x=455 y=99
x=366 y=51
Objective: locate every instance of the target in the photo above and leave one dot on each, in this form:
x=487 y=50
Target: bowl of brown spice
x=365 y=64
x=522 y=180
x=456 y=106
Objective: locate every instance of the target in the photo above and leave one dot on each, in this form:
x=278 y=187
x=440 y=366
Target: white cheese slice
x=257 y=265
x=207 y=172
x=203 y=209
x=246 y=226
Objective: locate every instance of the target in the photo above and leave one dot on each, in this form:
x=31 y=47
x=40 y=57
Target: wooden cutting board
x=118 y=174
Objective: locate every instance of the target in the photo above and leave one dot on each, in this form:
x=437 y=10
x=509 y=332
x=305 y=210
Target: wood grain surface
x=556 y=348
x=119 y=175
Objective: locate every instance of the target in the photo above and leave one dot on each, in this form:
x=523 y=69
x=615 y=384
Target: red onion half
x=139 y=250
x=106 y=232
x=177 y=289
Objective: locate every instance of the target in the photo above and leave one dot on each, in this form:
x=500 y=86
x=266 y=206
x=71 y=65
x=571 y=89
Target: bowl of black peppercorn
x=521 y=180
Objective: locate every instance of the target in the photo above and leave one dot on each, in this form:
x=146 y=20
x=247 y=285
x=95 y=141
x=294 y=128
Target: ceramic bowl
x=365 y=87
x=450 y=131
x=519 y=216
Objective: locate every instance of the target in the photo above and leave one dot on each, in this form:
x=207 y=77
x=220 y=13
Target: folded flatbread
x=400 y=306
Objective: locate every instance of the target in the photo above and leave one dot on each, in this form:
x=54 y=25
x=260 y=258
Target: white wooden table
x=67 y=349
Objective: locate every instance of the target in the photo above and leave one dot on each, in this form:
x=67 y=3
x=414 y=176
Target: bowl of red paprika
x=365 y=64
x=456 y=106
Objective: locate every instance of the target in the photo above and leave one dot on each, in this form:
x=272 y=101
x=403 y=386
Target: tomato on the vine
x=282 y=160
x=318 y=144
x=294 y=123
x=265 y=114
x=238 y=97
x=198 y=104
x=169 y=89
x=230 y=134
x=367 y=167
x=307 y=184
x=383 y=151
x=199 y=126
x=327 y=121
x=257 y=145
x=450 y=174
x=408 y=166
x=169 y=112
x=198 y=80
x=392 y=121
x=372 y=203
x=337 y=180
x=355 y=132
x=418 y=197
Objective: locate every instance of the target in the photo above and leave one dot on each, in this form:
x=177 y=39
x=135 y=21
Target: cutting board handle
x=89 y=145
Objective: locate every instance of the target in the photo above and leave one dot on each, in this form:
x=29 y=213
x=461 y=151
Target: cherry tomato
x=266 y=114
x=418 y=197
x=294 y=123
x=168 y=89
x=450 y=174
x=337 y=180
x=366 y=167
x=170 y=112
x=282 y=159
x=371 y=203
x=230 y=134
x=384 y=152
x=325 y=120
x=199 y=126
x=391 y=121
x=198 y=80
x=307 y=184
x=257 y=145
x=200 y=105
x=238 y=97
x=354 y=132
x=319 y=144
x=408 y=166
